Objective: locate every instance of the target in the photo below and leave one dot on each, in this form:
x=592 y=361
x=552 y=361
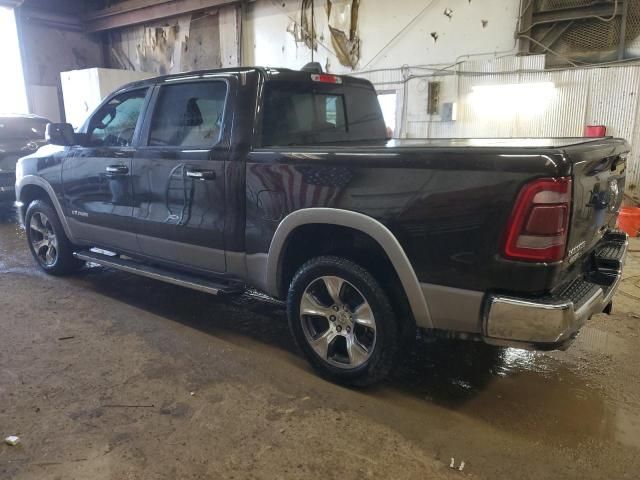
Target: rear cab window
x=310 y=113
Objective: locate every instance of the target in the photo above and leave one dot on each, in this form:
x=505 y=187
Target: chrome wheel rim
x=43 y=239
x=338 y=322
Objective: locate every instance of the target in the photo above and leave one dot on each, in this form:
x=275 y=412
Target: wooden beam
x=134 y=12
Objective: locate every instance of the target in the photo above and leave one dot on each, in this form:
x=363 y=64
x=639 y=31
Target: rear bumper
x=553 y=322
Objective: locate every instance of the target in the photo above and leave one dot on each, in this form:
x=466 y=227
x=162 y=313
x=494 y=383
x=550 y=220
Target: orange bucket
x=629 y=220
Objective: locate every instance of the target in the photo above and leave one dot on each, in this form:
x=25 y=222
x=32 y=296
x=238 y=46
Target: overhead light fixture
x=511 y=99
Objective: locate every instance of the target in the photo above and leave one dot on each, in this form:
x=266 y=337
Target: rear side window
x=114 y=124
x=304 y=113
x=189 y=115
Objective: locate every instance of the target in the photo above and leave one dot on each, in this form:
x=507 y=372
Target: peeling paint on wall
x=178 y=44
x=343 y=25
x=154 y=48
x=342 y=21
x=156 y=52
x=307 y=26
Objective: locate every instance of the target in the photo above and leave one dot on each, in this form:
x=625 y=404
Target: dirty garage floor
x=154 y=381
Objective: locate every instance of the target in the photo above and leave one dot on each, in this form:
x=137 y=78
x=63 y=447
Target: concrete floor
x=162 y=382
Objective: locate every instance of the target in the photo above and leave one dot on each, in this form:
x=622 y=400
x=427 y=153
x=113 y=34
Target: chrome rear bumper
x=552 y=323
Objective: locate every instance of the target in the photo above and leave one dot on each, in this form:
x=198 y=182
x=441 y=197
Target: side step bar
x=158 y=273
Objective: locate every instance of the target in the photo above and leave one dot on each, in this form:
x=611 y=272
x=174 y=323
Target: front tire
x=342 y=319
x=48 y=243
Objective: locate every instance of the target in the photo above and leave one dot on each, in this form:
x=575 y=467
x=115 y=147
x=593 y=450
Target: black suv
x=20 y=135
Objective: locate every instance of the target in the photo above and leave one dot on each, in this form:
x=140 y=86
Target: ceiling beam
x=134 y=12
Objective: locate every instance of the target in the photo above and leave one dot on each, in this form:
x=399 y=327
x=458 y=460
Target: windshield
x=18 y=128
x=305 y=113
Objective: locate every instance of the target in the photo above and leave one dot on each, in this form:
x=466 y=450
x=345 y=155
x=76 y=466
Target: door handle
x=117 y=169
x=201 y=174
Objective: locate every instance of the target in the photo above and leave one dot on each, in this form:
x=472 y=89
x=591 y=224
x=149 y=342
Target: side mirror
x=60 y=134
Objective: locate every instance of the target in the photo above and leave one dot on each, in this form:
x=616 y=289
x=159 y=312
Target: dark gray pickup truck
x=284 y=181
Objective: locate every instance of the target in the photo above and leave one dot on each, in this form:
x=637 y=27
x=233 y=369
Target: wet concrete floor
x=105 y=375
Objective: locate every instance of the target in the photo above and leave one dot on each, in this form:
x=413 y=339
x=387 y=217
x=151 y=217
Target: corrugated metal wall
x=583 y=96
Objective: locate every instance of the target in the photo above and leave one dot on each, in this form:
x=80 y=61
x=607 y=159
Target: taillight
x=537 y=228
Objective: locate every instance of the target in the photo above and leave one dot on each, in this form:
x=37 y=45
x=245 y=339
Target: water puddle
x=535 y=395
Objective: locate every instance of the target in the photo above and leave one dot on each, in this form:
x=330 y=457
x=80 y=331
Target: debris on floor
x=12 y=440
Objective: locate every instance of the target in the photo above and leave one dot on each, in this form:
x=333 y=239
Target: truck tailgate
x=598 y=184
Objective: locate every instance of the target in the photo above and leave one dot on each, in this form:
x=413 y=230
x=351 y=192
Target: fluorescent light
x=511 y=99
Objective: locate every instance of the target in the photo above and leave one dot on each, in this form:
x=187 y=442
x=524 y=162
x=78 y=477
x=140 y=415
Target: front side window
x=189 y=115
x=114 y=124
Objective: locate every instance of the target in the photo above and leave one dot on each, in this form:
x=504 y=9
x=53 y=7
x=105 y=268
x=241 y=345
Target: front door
x=96 y=177
x=179 y=176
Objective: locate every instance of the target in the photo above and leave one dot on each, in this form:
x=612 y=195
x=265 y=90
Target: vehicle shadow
x=448 y=372
x=8 y=214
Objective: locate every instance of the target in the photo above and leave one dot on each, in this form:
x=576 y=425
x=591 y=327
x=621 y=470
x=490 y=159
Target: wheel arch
x=32 y=187
x=359 y=222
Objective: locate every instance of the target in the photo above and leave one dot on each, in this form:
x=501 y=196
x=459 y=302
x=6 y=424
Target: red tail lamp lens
x=537 y=228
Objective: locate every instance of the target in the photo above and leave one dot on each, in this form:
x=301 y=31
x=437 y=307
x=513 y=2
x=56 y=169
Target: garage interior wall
x=402 y=47
x=461 y=45
x=53 y=41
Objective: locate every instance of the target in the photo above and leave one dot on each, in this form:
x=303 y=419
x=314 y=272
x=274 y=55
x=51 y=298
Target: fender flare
x=42 y=183
x=357 y=221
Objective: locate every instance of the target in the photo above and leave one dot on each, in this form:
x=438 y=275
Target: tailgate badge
x=577 y=249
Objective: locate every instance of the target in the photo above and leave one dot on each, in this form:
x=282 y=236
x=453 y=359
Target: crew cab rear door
x=179 y=174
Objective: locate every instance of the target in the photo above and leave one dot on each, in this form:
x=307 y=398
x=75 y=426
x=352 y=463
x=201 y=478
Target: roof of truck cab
x=270 y=74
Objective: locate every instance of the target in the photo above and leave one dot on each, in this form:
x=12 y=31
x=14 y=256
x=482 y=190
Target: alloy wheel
x=338 y=322
x=43 y=239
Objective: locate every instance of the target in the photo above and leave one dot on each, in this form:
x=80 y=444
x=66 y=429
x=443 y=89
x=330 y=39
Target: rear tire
x=48 y=243
x=342 y=319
